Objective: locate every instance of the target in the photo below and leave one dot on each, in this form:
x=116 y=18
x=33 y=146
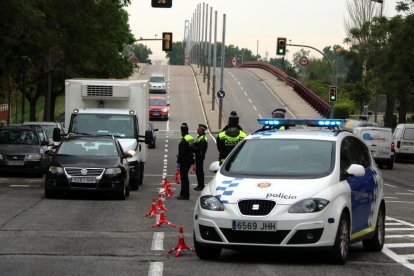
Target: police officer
x=280 y=113
x=185 y=159
x=229 y=137
x=200 y=148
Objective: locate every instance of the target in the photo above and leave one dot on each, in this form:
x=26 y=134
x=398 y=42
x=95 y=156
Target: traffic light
x=161 y=3
x=332 y=94
x=167 y=42
x=281 y=46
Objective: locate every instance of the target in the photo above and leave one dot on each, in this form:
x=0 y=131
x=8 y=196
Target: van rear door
x=378 y=141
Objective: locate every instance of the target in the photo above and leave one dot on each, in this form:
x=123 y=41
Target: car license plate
x=15 y=163
x=83 y=179
x=249 y=225
x=155 y=113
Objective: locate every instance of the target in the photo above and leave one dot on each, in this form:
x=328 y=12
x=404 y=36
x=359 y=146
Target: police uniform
x=279 y=113
x=200 y=148
x=185 y=159
x=229 y=137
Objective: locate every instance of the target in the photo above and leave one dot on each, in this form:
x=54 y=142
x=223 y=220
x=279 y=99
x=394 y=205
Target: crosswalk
x=399 y=241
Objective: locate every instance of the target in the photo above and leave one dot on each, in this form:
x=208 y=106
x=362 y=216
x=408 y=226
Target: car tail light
x=398 y=144
x=392 y=147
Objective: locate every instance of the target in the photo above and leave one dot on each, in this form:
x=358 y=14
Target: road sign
x=303 y=61
x=221 y=94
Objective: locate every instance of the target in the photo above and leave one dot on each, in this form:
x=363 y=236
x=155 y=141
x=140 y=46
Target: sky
x=251 y=24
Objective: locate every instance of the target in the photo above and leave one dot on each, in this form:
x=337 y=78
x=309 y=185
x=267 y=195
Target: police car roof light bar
x=302 y=122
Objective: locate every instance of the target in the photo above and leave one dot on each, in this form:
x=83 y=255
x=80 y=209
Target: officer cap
x=184 y=126
x=233 y=118
x=279 y=112
x=204 y=127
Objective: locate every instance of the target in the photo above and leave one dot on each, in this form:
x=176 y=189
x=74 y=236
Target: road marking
x=393 y=223
x=401 y=259
x=396 y=201
x=400 y=245
x=404 y=193
x=21 y=186
x=254 y=107
x=398 y=236
x=399 y=229
x=157 y=241
x=155 y=269
x=392 y=197
x=390 y=185
x=411 y=191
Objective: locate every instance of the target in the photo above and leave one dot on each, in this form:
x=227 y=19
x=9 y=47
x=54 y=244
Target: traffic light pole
x=334 y=76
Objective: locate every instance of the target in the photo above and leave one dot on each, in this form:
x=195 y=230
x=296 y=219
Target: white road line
x=390 y=185
x=404 y=193
x=391 y=197
x=155 y=269
x=403 y=222
x=399 y=229
x=20 y=186
x=157 y=241
x=411 y=191
x=245 y=94
x=254 y=107
x=398 y=258
x=393 y=223
x=396 y=201
x=398 y=236
x=250 y=100
x=400 y=245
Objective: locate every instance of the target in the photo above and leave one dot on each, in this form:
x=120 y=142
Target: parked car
x=22 y=150
x=380 y=143
x=48 y=128
x=404 y=142
x=158 y=108
x=154 y=135
x=157 y=83
x=88 y=163
x=313 y=189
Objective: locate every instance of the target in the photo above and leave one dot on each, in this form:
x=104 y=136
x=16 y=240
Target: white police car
x=313 y=188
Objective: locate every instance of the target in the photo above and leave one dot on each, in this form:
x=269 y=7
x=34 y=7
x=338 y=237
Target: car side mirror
x=214 y=166
x=156 y=129
x=149 y=138
x=56 y=135
x=356 y=170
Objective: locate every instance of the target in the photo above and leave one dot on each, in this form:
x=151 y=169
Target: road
x=86 y=234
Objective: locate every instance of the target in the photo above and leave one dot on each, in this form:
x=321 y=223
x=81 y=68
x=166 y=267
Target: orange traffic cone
x=181 y=244
x=163 y=220
x=177 y=179
x=160 y=204
x=153 y=210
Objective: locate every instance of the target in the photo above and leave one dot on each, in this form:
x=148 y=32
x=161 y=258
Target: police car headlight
x=211 y=203
x=55 y=170
x=34 y=156
x=310 y=205
x=113 y=171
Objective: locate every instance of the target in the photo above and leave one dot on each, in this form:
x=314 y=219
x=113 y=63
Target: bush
x=344 y=109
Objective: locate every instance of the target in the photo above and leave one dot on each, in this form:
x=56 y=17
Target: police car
x=317 y=188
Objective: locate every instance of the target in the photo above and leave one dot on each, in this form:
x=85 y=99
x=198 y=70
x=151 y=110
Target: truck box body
x=110 y=107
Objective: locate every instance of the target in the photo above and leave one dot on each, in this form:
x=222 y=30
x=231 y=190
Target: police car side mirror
x=356 y=170
x=214 y=166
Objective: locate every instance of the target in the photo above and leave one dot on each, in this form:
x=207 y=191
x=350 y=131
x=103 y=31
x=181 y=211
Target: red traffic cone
x=177 y=179
x=181 y=244
x=168 y=192
x=163 y=220
x=160 y=205
x=153 y=210
x=166 y=183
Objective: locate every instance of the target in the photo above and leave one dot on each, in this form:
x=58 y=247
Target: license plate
x=249 y=225
x=83 y=179
x=155 y=113
x=15 y=163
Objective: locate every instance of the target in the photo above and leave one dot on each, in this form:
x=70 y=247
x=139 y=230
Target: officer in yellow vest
x=280 y=113
x=185 y=159
x=200 y=148
x=229 y=137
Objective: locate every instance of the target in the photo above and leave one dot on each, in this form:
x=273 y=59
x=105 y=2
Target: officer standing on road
x=200 y=148
x=229 y=137
x=280 y=113
x=185 y=159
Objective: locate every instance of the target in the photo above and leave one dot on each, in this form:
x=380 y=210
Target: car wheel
x=122 y=193
x=128 y=188
x=340 y=250
x=141 y=174
x=134 y=179
x=205 y=252
x=390 y=164
x=376 y=243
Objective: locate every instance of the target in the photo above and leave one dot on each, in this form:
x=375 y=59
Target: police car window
x=271 y=157
x=362 y=152
x=347 y=157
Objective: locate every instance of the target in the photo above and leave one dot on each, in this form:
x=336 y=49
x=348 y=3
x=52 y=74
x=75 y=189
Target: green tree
x=141 y=51
x=176 y=56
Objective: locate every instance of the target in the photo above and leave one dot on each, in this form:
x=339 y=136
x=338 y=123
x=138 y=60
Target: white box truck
x=112 y=107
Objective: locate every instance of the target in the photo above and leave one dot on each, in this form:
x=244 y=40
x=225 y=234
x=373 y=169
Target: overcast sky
x=252 y=24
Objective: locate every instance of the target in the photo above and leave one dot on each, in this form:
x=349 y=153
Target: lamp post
x=376 y=92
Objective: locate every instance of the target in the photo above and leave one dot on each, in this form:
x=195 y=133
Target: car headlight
x=309 y=205
x=164 y=110
x=55 y=170
x=132 y=152
x=113 y=171
x=211 y=203
x=34 y=156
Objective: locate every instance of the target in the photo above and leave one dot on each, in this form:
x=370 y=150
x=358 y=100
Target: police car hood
x=283 y=191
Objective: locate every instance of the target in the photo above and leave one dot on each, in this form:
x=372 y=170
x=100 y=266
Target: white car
x=157 y=83
x=315 y=188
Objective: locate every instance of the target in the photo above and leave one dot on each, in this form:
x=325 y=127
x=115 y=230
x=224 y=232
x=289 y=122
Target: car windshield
x=157 y=79
x=157 y=102
x=18 y=136
x=121 y=126
x=83 y=148
x=281 y=157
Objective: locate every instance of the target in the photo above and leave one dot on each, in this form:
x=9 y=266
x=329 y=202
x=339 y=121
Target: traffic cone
x=177 y=179
x=168 y=192
x=160 y=204
x=181 y=244
x=153 y=210
x=163 y=220
x=166 y=183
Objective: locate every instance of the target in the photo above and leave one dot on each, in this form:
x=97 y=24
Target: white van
x=404 y=141
x=157 y=83
x=379 y=141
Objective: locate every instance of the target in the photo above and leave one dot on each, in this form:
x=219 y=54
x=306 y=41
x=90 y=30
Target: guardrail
x=305 y=93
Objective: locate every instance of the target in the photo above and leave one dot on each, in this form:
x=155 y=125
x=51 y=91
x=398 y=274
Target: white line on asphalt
x=250 y=100
x=393 y=223
x=404 y=193
x=391 y=197
x=399 y=229
x=411 y=191
x=157 y=241
x=390 y=185
x=166 y=150
x=155 y=269
x=401 y=259
x=400 y=245
x=254 y=107
x=398 y=236
x=165 y=156
x=245 y=94
x=20 y=186
x=396 y=201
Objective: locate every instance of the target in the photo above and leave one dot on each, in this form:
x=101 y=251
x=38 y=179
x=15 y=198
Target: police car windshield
x=281 y=157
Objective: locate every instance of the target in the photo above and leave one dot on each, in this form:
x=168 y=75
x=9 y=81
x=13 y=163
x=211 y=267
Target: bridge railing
x=305 y=93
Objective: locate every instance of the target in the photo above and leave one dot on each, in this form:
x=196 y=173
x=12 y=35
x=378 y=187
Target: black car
x=22 y=150
x=88 y=163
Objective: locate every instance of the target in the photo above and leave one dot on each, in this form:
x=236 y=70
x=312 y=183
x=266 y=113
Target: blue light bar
x=302 y=122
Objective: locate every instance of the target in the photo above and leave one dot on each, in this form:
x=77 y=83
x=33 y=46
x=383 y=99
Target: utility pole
x=222 y=71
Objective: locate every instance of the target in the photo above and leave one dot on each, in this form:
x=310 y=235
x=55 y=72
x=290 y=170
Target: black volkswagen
x=88 y=163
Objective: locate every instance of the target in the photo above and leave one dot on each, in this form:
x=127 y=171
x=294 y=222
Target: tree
x=141 y=51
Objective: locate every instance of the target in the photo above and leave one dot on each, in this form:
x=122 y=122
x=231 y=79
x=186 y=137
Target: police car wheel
x=339 y=252
x=376 y=243
x=205 y=252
